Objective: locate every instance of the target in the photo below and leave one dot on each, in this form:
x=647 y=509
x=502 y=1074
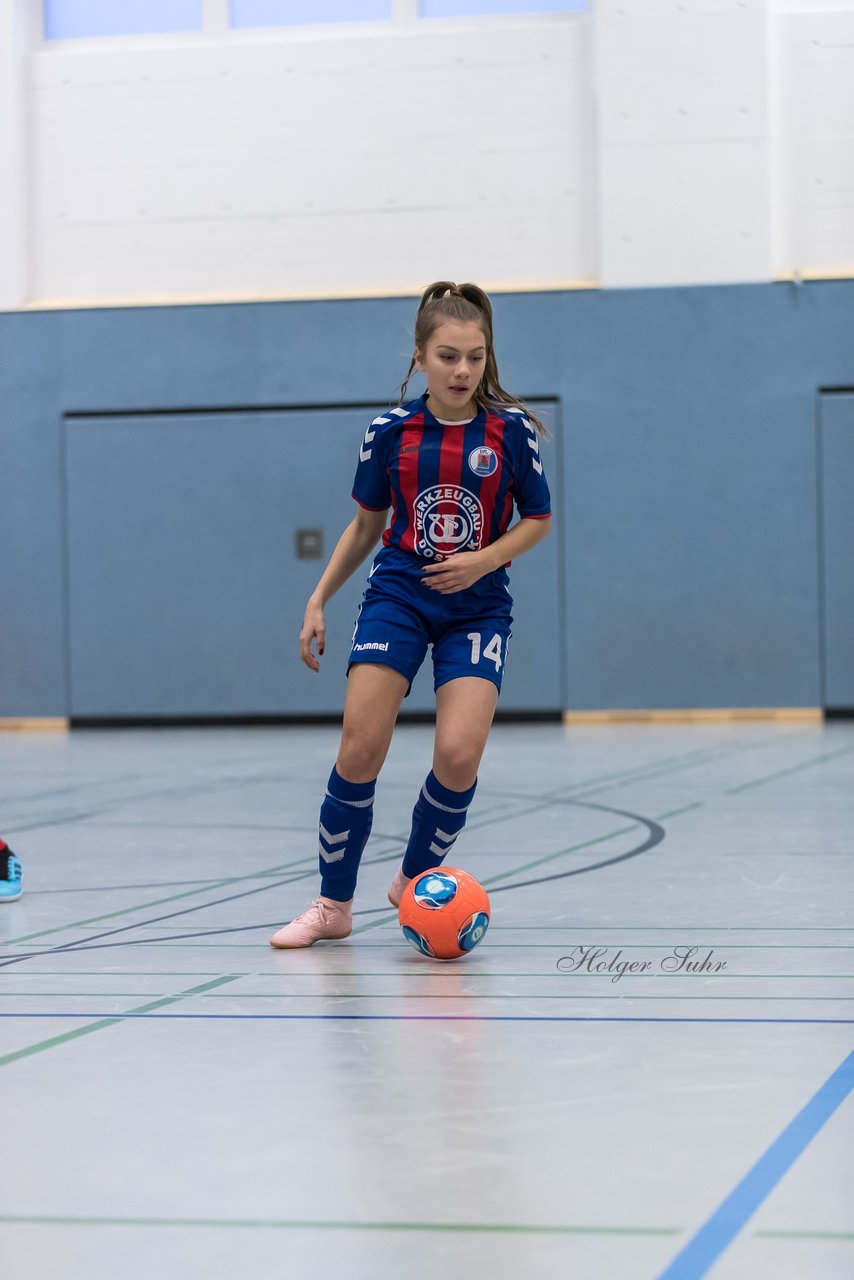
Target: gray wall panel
x=186 y=595
x=836 y=427
x=32 y=640
x=690 y=523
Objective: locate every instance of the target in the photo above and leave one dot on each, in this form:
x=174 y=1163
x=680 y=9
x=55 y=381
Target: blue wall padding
x=685 y=572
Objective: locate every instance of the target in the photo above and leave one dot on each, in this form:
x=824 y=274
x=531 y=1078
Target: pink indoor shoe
x=397 y=886
x=323 y=918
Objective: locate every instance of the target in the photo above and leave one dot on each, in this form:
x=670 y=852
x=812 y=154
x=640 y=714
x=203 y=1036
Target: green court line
x=72 y=995
x=143 y=906
x=41 y=1045
x=526 y=866
x=486 y=995
x=636 y=946
x=652 y=771
x=688 y=928
x=298 y=1224
x=390 y=916
x=439 y=973
x=641 y=773
x=320 y=947
x=550 y=857
x=684 y=760
x=804 y=1235
x=729 y=945
x=430 y=995
x=384 y=919
x=364 y=973
x=309 y=859
x=197 y=945
x=686 y=808
x=653 y=946
x=782 y=773
x=25 y=974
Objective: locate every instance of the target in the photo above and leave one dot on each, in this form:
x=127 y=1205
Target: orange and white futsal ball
x=444 y=913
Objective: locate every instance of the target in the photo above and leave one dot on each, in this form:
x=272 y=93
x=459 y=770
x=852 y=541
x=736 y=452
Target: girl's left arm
x=526 y=533
x=461 y=570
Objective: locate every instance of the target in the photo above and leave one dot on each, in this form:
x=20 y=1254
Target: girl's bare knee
x=456 y=766
x=361 y=755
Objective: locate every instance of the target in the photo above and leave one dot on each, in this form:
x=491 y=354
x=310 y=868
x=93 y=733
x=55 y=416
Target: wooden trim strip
x=696 y=715
x=33 y=724
x=139 y=301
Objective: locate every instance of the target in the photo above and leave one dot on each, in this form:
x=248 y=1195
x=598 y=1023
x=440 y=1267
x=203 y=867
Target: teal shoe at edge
x=10 y=874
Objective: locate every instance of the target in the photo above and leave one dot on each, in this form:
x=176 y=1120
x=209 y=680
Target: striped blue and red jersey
x=451 y=486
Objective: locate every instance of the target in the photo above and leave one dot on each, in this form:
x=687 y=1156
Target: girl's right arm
x=354 y=546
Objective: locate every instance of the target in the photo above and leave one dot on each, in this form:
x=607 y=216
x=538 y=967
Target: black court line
x=637 y=773
x=655 y=835
x=83 y=944
x=424 y=1017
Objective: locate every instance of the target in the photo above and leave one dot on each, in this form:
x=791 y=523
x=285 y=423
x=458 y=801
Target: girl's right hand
x=312 y=626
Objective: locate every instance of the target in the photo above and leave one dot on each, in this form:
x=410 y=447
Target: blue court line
x=426 y=1017
x=726 y=1222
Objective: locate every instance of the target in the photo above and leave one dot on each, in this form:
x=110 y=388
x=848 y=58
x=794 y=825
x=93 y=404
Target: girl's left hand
x=454 y=574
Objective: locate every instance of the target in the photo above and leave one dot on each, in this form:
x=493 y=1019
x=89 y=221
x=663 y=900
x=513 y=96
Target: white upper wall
x=646 y=142
x=813 y=93
x=290 y=164
x=15 y=41
x=683 y=141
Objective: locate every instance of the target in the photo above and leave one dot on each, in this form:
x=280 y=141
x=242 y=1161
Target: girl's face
x=453 y=361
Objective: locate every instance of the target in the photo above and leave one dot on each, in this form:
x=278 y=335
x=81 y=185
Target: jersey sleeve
x=530 y=487
x=371 y=487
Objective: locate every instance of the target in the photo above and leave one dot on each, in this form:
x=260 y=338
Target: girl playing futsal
x=451 y=465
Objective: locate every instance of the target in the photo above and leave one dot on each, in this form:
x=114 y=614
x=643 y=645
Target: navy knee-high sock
x=346 y=816
x=437 y=819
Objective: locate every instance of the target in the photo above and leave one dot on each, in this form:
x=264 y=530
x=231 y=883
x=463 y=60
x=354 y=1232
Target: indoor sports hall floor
x=180 y=1100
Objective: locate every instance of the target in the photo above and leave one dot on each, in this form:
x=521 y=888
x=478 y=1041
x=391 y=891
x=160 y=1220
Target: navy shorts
x=399 y=618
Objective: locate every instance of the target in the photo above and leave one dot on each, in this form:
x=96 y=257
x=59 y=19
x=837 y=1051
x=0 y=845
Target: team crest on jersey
x=448 y=518
x=483 y=461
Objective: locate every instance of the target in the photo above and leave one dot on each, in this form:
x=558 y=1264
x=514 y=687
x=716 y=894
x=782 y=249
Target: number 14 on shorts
x=492 y=651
